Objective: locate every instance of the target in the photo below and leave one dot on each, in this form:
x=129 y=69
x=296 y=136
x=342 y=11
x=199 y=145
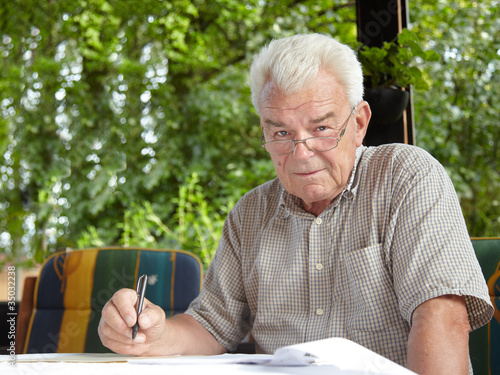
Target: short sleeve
x=430 y=251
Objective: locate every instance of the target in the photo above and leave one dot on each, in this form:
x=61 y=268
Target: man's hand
x=157 y=335
x=118 y=318
x=439 y=337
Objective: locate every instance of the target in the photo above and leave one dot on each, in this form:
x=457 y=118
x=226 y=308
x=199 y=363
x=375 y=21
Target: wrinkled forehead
x=308 y=113
x=324 y=92
x=310 y=108
x=301 y=107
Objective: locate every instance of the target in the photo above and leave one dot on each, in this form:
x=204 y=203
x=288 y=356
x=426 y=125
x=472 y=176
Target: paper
x=344 y=354
x=329 y=356
x=229 y=359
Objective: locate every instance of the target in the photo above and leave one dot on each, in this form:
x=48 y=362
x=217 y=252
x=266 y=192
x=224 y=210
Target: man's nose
x=302 y=150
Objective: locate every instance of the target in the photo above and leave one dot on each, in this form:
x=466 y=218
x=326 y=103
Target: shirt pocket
x=373 y=303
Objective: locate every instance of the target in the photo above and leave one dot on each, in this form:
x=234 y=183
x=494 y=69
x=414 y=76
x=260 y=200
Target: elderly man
x=363 y=243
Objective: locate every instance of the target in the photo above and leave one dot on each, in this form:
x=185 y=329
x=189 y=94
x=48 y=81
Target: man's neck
x=316 y=208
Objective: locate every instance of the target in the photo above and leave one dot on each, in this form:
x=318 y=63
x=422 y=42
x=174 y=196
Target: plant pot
x=387 y=104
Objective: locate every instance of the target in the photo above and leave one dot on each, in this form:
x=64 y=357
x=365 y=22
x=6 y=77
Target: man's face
x=321 y=110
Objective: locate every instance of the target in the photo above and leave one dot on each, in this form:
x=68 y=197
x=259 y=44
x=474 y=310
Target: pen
x=141 y=289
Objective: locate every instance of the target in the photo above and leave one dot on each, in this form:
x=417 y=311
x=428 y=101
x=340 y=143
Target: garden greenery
x=132 y=124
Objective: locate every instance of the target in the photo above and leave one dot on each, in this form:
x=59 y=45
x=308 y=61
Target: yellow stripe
x=137 y=264
x=30 y=327
x=79 y=275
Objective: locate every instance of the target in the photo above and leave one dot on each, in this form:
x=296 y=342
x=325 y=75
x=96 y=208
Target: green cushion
x=485 y=341
x=73 y=287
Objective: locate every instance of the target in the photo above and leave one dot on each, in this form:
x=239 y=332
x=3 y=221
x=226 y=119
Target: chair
x=73 y=287
x=485 y=341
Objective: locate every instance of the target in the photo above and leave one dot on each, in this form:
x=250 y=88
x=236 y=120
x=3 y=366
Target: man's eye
x=325 y=131
x=282 y=133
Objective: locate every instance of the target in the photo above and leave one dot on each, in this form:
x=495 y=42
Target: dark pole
x=379 y=21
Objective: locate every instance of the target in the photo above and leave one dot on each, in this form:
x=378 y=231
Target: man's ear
x=363 y=115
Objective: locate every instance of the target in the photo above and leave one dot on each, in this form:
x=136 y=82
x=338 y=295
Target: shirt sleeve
x=428 y=244
x=221 y=306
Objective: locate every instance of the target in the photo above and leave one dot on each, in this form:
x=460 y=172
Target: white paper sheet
x=342 y=353
x=331 y=356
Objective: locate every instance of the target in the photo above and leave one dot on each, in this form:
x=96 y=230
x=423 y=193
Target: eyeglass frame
x=304 y=141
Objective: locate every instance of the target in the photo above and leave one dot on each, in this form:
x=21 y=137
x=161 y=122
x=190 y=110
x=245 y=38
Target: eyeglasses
x=316 y=144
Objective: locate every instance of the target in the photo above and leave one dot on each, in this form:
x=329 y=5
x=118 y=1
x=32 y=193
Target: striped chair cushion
x=73 y=287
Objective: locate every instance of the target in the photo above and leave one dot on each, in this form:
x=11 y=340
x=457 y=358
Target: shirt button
x=318 y=220
x=319 y=266
x=319 y=312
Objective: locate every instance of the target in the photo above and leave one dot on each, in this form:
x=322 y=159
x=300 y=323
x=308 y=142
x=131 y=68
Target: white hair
x=292 y=64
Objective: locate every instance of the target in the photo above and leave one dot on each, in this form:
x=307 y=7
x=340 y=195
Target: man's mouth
x=307 y=174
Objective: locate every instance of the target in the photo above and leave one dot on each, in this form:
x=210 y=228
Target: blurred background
x=130 y=122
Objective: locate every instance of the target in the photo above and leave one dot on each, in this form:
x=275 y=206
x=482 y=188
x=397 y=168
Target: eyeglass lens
x=317 y=144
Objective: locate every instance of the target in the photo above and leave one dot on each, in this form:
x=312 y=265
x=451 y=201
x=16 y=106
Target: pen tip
x=135 y=329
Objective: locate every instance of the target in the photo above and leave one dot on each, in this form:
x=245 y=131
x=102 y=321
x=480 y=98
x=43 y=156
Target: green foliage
x=132 y=124
x=394 y=64
x=457 y=121
x=195 y=226
x=109 y=110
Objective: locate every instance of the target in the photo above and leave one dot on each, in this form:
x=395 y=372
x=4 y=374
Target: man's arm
x=439 y=337
x=181 y=334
